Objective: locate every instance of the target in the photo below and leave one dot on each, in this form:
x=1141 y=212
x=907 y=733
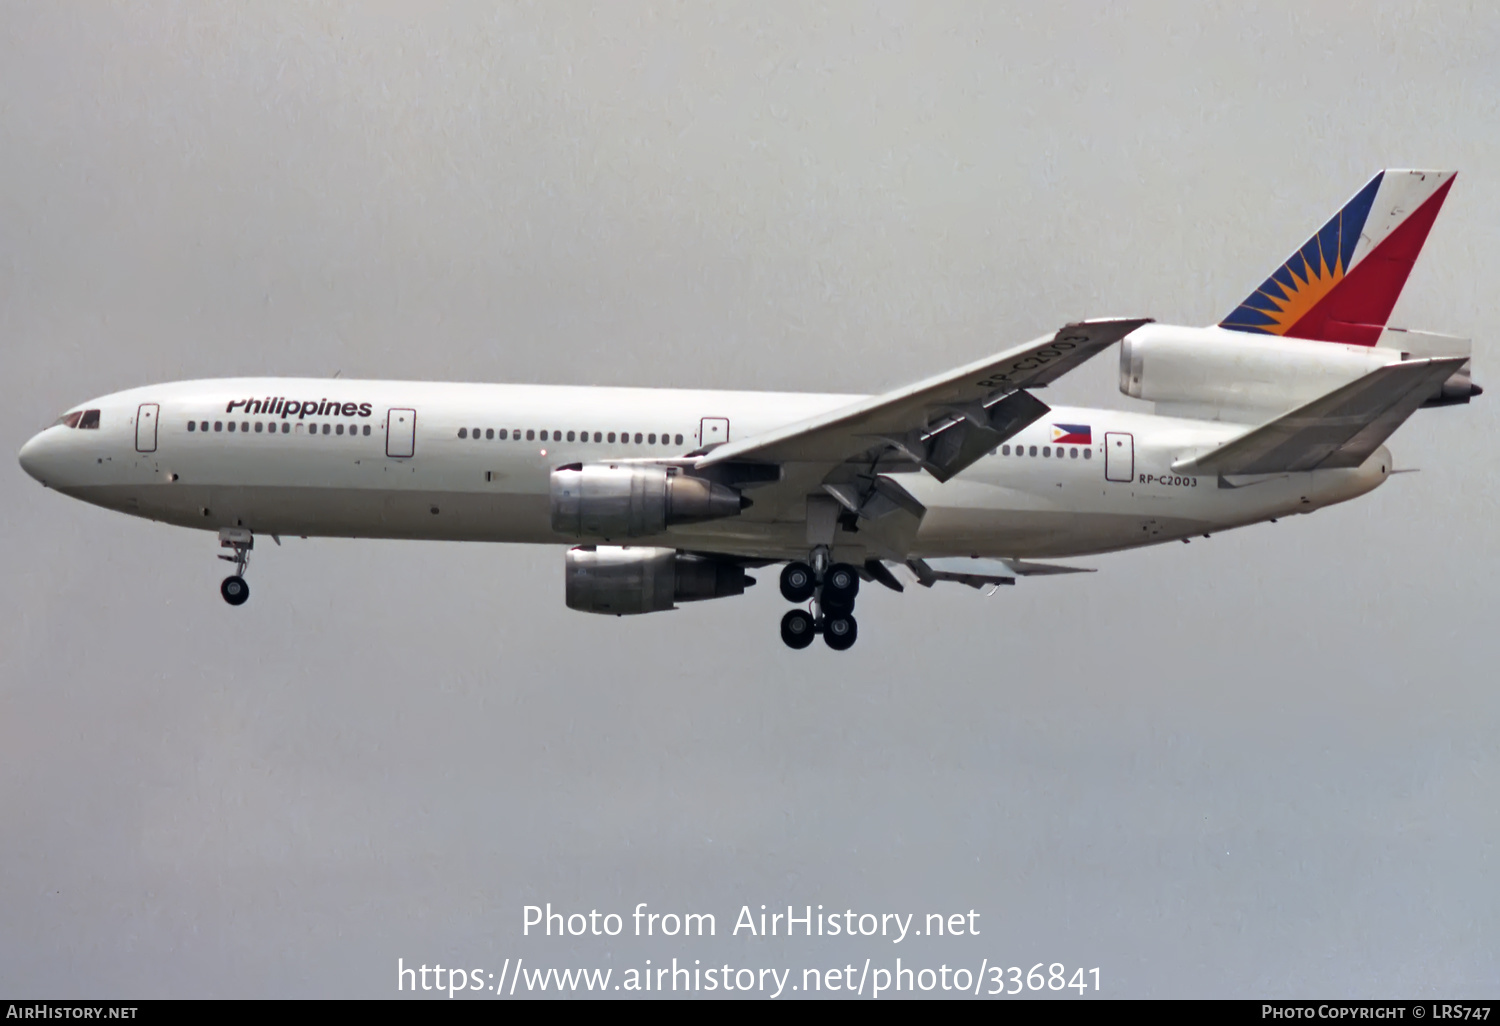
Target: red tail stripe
x=1357 y=308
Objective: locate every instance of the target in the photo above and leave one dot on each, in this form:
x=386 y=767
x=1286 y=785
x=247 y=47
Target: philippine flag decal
x=1073 y=434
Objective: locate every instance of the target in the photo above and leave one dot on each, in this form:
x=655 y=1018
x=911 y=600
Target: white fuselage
x=441 y=470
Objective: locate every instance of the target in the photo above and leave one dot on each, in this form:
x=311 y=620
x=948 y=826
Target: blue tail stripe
x=1331 y=247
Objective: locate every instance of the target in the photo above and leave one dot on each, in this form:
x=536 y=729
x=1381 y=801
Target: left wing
x=943 y=424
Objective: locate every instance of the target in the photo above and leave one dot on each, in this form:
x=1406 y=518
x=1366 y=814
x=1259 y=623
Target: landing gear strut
x=832 y=589
x=234 y=589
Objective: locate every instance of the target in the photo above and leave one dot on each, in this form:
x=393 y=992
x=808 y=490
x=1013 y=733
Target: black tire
x=840 y=585
x=798 y=629
x=235 y=590
x=840 y=632
x=829 y=607
x=797 y=582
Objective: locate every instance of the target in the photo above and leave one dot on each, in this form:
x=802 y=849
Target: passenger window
x=463 y=432
x=367 y=430
x=1088 y=454
x=192 y=425
x=677 y=440
x=325 y=429
x=610 y=436
x=203 y=425
x=503 y=434
x=218 y=425
x=1046 y=450
x=259 y=427
x=1033 y=450
x=340 y=429
x=476 y=434
x=637 y=438
x=312 y=429
x=529 y=432
x=1005 y=450
x=570 y=436
x=1072 y=454
x=231 y=425
x=489 y=433
x=598 y=437
x=651 y=438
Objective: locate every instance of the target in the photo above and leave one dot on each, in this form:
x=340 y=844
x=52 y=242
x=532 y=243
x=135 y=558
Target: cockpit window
x=79 y=419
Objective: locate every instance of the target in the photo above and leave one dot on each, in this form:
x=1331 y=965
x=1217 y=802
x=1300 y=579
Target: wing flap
x=1340 y=429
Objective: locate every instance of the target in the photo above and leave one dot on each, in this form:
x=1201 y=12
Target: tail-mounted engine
x=622 y=579
x=626 y=500
x=1201 y=371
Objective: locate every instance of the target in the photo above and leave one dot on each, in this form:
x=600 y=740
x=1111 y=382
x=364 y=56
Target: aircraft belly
x=1044 y=533
x=336 y=512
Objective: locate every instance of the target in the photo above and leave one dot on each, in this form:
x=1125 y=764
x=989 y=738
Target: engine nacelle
x=1215 y=368
x=628 y=500
x=621 y=579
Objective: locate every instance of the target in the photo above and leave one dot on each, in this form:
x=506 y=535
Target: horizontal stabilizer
x=1340 y=429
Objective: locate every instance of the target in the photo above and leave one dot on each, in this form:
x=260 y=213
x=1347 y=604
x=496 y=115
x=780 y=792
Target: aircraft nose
x=33 y=457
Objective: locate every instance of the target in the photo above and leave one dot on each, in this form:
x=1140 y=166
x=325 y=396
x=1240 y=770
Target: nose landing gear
x=832 y=589
x=234 y=589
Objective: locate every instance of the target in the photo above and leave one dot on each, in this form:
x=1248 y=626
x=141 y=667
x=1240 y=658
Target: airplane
x=668 y=495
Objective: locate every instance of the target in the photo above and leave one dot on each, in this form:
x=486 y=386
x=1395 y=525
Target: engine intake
x=620 y=580
x=624 y=500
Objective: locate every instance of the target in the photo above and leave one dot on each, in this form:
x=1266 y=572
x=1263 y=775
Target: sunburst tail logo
x=1341 y=285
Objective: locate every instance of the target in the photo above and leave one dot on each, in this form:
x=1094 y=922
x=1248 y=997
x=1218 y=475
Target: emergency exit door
x=1119 y=456
x=712 y=431
x=145 y=427
x=400 y=433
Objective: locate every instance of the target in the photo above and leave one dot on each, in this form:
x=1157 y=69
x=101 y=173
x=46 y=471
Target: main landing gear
x=831 y=590
x=234 y=589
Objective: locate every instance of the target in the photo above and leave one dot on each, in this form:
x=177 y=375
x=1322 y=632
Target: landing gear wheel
x=235 y=590
x=797 y=582
x=830 y=607
x=840 y=585
x=840 y=632
x=798 y=629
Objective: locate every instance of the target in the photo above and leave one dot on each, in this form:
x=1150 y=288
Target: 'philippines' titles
x=274 y=405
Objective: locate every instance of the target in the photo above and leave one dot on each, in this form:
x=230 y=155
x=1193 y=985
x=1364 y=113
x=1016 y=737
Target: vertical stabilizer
x=1342 y=284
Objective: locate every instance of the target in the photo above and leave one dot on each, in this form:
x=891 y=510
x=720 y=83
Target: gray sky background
x=1260 y=765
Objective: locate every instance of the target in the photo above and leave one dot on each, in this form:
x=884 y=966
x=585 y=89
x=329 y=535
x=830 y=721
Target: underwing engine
x=622 y=579
x=625 y=500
